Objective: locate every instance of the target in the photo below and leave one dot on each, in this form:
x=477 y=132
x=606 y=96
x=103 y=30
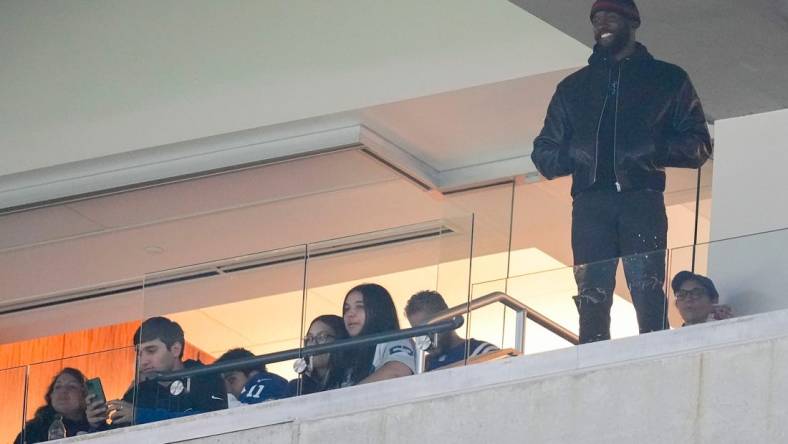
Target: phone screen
x=95 y=388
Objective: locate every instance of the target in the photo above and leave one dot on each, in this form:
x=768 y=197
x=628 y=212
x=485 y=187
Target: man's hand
x=722 y=312
x=96 y=411
x=120 y=412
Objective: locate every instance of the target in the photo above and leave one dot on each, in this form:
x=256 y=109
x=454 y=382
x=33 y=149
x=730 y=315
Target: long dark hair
x=336 y=361
x=46 y=413
x=380 y=316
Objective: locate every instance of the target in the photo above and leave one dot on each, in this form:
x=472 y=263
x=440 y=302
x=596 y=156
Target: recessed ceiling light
x=154 y=249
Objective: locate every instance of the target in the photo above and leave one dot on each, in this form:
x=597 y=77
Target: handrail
x=433 y=328
x=523 y=312
x=515 y=304
x=446 y=320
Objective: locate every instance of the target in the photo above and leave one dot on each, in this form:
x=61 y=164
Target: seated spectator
x=251 y=384
x=697 y=299
x=369 y=309
x=324 y=371
x=160 y=342
x=65 y=399
x=450 y=348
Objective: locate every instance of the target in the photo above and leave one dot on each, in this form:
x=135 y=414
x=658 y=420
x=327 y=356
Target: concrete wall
x=749 y=185
x=720 y=382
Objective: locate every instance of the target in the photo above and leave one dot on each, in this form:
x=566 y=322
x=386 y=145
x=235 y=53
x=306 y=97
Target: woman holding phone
x=65 y=405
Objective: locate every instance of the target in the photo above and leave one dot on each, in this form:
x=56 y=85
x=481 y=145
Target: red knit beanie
x=627 y=8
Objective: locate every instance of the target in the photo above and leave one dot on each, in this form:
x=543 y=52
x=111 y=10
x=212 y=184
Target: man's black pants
x=607 y=225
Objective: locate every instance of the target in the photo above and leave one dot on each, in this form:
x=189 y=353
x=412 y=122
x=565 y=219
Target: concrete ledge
x=683 y=370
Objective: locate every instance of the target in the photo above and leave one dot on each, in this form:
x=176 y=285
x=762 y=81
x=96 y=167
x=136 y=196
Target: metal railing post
x=421 y=357
x=519 y=335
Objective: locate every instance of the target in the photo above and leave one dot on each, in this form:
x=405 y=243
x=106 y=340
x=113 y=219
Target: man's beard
x=618 y=43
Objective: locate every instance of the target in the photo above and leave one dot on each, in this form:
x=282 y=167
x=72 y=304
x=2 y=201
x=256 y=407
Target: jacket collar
x=600 y=56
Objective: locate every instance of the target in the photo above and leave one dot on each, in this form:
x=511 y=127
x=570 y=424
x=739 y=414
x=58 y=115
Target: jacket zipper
x=599 y=125
x=617 y=91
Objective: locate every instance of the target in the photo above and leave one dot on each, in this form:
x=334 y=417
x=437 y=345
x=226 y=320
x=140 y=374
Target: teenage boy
x=450 y=348
x=160 y=343
x=251 y=384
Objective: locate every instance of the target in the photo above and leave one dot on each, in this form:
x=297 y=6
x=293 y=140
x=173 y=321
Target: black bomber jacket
x=659 y=122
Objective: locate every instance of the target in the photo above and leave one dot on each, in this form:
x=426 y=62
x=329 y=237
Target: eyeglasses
x=322 y=338
x=694 y=294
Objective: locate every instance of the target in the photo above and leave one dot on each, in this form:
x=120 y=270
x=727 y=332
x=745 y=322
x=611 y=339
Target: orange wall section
x=104 y=352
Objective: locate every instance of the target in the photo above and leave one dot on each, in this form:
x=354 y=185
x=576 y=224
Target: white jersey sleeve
x=401 y=351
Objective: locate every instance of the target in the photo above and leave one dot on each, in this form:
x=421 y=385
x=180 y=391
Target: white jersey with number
x=400 y=351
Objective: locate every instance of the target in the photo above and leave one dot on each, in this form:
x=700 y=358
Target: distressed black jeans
x=607 y=225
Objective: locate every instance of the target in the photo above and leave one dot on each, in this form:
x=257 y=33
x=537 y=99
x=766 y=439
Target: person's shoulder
x=35 y=429
x=192 y=363
x=142 y=387
x=479 y=347
x=400 y=346
x=268 y=378
x=668 y=69
x=264 y=387
x=211 y=378
x=574 y=79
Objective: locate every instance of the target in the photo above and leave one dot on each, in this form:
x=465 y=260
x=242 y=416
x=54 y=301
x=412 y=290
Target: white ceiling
x=130 y=84
x=470 y=127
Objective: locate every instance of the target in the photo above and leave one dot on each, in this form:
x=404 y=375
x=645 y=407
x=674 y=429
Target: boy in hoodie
x=159 y=343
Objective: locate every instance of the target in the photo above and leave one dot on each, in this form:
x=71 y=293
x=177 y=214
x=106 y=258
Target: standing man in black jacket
x=614 y=126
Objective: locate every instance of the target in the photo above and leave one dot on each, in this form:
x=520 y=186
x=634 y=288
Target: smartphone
x=95 y=388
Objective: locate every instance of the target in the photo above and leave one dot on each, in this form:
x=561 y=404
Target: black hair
x=240 y=353
x=334 y=322
x=427 y=301
x=379 y=316
x=159 y=327
x=684 y=276
x=336 y=360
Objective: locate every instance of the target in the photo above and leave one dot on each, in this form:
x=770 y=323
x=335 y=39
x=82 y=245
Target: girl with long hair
x=369 y=309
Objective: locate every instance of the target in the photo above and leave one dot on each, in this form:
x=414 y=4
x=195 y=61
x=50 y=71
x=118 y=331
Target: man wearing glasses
x=697 y=299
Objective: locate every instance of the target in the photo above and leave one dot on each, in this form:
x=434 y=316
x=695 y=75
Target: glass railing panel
x=12 y=408
x=60 y=387
x=553 y=294
x=252 y=302
x=455 y=264
x=497 y=324
x=490 y=324
x=539 y=339
x=430 y=256
x=550 y=293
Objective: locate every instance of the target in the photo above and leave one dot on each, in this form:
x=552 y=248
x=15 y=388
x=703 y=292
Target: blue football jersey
x=264 y=386
x=457 y=353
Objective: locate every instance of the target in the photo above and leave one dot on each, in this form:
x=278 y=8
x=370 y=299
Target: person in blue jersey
x=251 y=384
x=369 y=309
x=450 y=348
x=323 y=371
